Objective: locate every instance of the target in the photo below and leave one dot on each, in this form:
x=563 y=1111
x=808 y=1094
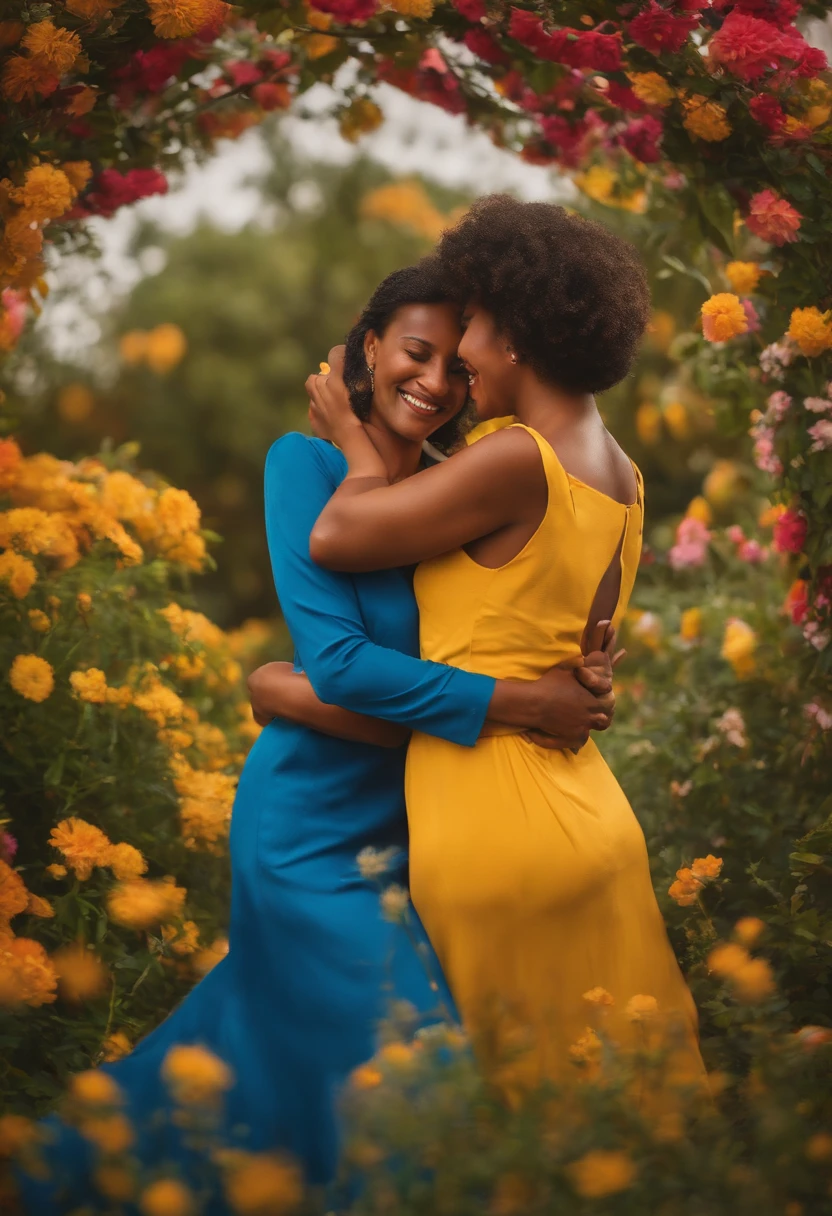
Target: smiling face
x=488 y=360
x=420 y=381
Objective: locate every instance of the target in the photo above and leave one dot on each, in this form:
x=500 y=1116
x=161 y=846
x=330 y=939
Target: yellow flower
x=125 y=496
x=704 y=868
x=83 y=845
x=770 y=515
x=32 y=677
x=754 y=981
x=705 y=119
x=177 y=513
x=18 y=573
x=723 y=317
x=365 y=1077
x=38 y=906
x=46 y=192
x=397 y=1055
x=651 y=88
x=125 y=861
x=413 y=8
x=139 y=903
x=648 y=423
x=360 y=117
x=195 y=1075
x=13 y=895
x=16 y=1133
x=159 y=703
x=27 y=977
x=601 y=1172
x=184 y=940
x=75 y=403
x=597 y=183
x=39 y=621
x=189 y=551
x=89 y=685
x=722 y=484
x=112 y=1134
x=587 y=1049
x=261 y=1184
x=115 y=1182
x=748 y=929
x=598 y=997
x=811 y=329
x=166 y=1197
x=685 y=890
x=699 y=508
x=641 y=1008
x=81 y=973
x=691 y=625
x=95 y=1088
x=738 y=646
x=743 y=277
x=662 y=328
x=677 y=419
x=55 y=47
x=394 y=902
x=208 y=958
x=57 y=871
x=179 y=18
x=34 y=531
x=164 y=348
x=116 y=1045
x=727 y=959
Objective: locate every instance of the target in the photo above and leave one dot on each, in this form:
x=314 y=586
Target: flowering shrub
x=125 y=725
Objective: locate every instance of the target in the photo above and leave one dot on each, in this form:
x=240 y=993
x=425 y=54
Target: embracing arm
x=278 y=691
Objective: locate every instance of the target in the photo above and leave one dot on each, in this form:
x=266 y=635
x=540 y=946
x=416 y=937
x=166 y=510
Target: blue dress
x=312 y=965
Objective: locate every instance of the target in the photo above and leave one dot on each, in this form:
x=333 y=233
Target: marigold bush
x=125 y=724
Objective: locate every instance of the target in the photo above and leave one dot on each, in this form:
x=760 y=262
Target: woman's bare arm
x=277 y=691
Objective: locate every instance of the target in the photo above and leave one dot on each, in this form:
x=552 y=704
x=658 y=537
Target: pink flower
x=773 y=218
x=752 y=317
x=815 y=636
x=14 y=306
x=752 y=552
x=778 y=12
x=765 y=457
x=242 y=72
x=659 y=31
x=790 y=532
x=732 y=726
x=484 y=46
x=112 y=189
x=345 y=11
x=8 y=847
x=641 y=138
x=746 y=46
x=735 y=534
x=776 y=356
x=820 y=715
x=779 y=404
x=691 y=548
x=817 y=405
x=821 y=432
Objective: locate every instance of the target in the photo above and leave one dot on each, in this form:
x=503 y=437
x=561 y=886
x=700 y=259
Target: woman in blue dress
x=313 y=966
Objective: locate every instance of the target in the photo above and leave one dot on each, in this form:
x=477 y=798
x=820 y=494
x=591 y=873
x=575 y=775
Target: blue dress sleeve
x=323 y=614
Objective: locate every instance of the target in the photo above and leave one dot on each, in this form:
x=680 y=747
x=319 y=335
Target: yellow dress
x=527 y=866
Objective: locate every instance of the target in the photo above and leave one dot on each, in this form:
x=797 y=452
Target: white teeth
x=419 y=405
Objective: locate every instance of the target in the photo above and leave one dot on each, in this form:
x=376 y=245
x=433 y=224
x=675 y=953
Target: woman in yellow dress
x=527 y=865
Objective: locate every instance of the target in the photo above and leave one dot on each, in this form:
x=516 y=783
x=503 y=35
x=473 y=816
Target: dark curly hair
x=570 y=296
x=423 y=283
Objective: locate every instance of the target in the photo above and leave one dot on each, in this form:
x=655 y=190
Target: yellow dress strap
x=488 y=427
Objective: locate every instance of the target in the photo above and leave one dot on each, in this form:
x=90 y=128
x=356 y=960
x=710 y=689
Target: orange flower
x=706 y=867
x=685 y=890
x=82 y=101
x=79 y=173
x=743 y=277
x=195 y=1075
x=13 y=895
x=26 y=975
x=83 y=845
x=179 y=18
x=139 y=903
x=18 y=573
x=81 y=973
x=366 y=1077
x=705 y=119
x=53 y=46
x=723 y=317
x=261 y=1184
x=811 y=329
x=599 y=1173
x=24 y=79
x=46 y=193
x=598 y=997
x=125 y=861
x=32 y=677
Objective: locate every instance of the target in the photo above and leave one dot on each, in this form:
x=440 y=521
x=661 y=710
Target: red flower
x=641 y=139
x=599 y=52
x=271 y=95
x=527 y=28
x=767 y=111
x=568 y=140
x=345 y=11
x=112 y=189
x=483 y=45
x=658 y=30
x=474 y=10
x=275 y=61
x=152 y=70
x=745 y=46
x=778 y=12
x=242 y=72
x=790 y=532
x=773 y=218
x=622 y=95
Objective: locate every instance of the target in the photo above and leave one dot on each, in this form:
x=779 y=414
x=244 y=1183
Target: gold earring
x=372 y=377
x=512 y=357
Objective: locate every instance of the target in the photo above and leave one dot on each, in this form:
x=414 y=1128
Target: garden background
x=142 y=390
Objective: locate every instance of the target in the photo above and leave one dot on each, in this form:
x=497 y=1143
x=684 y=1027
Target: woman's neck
x=548 y=409
x=401 y=455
